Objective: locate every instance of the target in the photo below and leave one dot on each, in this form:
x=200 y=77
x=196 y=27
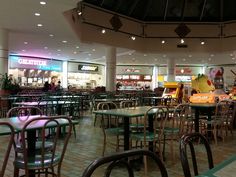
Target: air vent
x=182 y=46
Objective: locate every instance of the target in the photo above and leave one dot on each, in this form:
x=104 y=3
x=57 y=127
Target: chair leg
x=16 y=172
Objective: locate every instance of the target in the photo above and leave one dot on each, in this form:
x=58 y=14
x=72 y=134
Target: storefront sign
x=132 y=70
x=23 y=62
x=87 y=68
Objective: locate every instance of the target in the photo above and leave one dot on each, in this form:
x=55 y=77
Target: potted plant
x=7 y=85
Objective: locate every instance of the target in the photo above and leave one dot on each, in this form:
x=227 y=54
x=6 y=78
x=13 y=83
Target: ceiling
x=55 y=39
x=171 y=10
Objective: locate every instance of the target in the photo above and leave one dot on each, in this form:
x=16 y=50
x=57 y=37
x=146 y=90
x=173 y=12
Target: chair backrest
x=189 y=140
x=224 y=109
x=106 y=105
x=7 y=130
x=121 y=159
x=24 y=111
x=127 y=104
x=45 y=157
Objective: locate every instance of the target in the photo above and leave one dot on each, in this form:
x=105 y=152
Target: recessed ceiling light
x=231 y=55
x=75 y=52
x=189 y=56
x=155 y=59
x=212 y=55
x=233 y=58
x=58 y=50
x=39 y=25
x=51 y=35
x=144 y=55
x=23 y=50
x=130 y=53
x=25 y=42
x=64 y=41
x=209 y=59
x=163 y=41
x=103 y=31
x=202 y=42
x=79 y=13
x=77 y=47
x=181 y=41
x=133 y=59
x=184 y=59
x=164 y=56
x=89 y=54
x=45 y=48
x=37 y=14
x=94 y=50
x=43 y=3
x=133 y=38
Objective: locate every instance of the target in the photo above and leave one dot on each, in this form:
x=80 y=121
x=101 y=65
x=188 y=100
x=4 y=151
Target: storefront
x=34 y=71
x=183 y=74
x=134 y=77
x=86 y=76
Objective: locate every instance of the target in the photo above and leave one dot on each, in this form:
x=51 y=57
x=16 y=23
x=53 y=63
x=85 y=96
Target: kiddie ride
x=206 y=92
x=172 y=89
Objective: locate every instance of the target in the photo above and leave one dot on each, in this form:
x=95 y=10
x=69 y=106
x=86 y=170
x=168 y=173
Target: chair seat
x=115 y=131
x=36 y=162
x=140 y=136
x=47 y=145
x=169 y=130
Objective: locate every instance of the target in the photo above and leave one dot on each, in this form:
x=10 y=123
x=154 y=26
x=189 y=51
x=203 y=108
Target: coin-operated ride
x=206 y=91
x=172 y=89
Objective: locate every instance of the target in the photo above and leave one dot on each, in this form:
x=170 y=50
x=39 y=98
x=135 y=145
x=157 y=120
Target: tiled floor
x=88 y=146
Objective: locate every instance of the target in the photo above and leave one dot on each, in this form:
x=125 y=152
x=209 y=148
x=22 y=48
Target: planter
x=5 y=92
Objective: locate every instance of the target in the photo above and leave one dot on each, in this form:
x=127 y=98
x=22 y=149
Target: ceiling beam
x=202 y=11
x=133 y=7
x=165 y=11
x=147 y=9
x=118 y=5
x=183 y=9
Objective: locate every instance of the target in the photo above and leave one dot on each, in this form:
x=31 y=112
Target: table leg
x=150 y=129
x=196 y=121
x=31 y=139
x=126 y=133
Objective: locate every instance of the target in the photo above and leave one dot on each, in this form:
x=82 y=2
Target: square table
x=226 y=168
x=127 y=114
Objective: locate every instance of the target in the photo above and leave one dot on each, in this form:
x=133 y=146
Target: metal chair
x=119 y=159
x=24 y=111
x=189 y=140
x=44 y=160
x=6 y=130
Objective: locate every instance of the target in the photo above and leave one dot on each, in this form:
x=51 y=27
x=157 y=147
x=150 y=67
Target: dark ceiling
x=171 y=10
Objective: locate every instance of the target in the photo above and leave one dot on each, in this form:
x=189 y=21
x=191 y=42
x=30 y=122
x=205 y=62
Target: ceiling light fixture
x=233 y=58
x=39 y=25
x=64 y=41
x=103 y=31
x=79 y=13
x=181 y=41
x=94 y=50
x=51 y=35
x=163 y=41
x=202 y=42
x=58 y=50
x=133 y=38
x=43 y=3
x=182 y=70
x=25 y=43
x=45 y=48
x=37 y=14
x=77 y=47
x=75 y=52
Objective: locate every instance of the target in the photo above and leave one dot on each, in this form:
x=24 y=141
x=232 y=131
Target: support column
x=3 y=51
x=155 y=77
x=65 y=74
x=111 y=69
x=171 y=70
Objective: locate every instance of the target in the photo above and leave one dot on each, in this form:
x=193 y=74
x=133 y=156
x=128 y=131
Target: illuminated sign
x=132 y=70
x=87 y=68
x=32 y=62
x=23 y=62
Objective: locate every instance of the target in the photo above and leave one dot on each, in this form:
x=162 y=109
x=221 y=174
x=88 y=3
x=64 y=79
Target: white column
x=65 y=74
x=110 y=69
x=170 y=70
x=3 y=51
x=154 y=77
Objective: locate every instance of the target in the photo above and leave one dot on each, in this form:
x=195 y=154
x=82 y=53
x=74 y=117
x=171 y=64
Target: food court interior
x=125 y=76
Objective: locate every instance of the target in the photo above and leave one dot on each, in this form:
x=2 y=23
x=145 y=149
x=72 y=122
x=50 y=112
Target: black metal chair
x=190 y=140
x=24 y=111
x=118 y=159
x=6 y=131
x=45 y=159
